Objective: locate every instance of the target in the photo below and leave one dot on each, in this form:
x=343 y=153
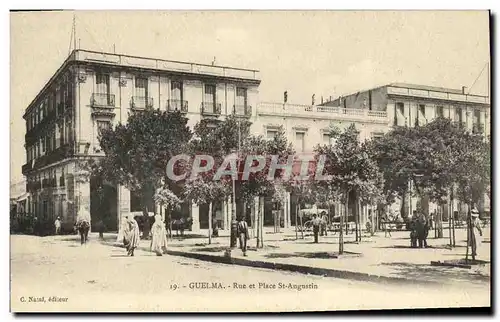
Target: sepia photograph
x=250 y=160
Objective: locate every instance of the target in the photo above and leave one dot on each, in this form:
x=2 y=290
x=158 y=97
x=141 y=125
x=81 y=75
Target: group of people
x=130 y=231
x=419 y=230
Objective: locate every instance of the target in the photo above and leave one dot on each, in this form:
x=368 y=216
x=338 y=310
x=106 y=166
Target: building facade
x=409 y=104
x=94 y=90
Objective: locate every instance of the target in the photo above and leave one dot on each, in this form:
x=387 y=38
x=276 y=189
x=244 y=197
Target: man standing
x=243 y=234
x=473 y=238
x=57 y=224
x=316 y=222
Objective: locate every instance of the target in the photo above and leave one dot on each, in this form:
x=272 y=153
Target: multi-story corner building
x=407 y=104
x=93 y=90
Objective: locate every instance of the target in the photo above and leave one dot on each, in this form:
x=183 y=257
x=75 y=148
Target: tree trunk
x=450 y=212
x=301 y=227
x=210 y=205
x=296 y=221
x=262 y=223
x=468 y=235
x=341 y=230
x=146 y=227
x=257 y=224
x=453 y=225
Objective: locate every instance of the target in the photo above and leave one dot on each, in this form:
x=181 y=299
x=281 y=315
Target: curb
x=326 y=272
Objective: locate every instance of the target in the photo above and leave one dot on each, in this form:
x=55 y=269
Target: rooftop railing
x=162 y=64
x=330 y=112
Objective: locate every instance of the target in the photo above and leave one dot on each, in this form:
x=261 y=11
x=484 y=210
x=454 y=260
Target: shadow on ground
x=320 y=255
x=438 y=274
x=409 y=247
x=218 y=249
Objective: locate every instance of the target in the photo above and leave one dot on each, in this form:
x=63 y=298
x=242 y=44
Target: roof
x=427 y=88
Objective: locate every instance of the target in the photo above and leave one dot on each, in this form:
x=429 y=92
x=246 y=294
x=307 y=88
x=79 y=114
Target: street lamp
x=234 y=223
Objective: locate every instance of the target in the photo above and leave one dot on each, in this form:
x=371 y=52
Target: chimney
x=463 y=89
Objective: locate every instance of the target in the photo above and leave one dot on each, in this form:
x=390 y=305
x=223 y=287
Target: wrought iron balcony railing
x=142 y=102
x=242 y=110
x=211 y=109
x=177 y=105
x=102 y=100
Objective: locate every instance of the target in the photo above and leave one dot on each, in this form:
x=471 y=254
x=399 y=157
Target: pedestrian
x=131 y=235
x=421 y=229
x=387 y=226
x=473 y=238
x=159 y=237
x=413 y=231
x=83 y=224
x=316 y=222
x=215 y=228
x=324 y=223
x=57 y=225
x=243 y=234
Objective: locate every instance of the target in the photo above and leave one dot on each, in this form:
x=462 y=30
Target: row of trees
x=441 y=158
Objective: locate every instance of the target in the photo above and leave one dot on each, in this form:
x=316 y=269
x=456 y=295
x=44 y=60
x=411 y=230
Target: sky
x=326 y=53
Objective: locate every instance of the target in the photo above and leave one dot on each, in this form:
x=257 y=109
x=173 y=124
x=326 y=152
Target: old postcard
x=249 y=161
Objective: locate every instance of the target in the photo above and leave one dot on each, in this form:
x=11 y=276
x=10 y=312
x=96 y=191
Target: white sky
x=304 y=52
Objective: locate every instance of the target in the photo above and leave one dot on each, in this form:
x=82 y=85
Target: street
x=60 y=275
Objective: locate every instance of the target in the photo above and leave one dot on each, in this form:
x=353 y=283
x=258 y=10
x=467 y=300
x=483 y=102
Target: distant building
x=407 y=104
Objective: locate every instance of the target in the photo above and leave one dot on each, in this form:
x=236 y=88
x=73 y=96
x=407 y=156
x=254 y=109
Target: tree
x=137 y=153
x=218 y=141
x=351 y=169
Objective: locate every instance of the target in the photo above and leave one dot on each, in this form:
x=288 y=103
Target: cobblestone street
x=97 y=277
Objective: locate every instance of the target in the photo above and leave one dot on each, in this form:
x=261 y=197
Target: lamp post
x=234 y=223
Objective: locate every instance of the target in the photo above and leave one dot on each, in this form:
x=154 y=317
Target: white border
x=256 y=4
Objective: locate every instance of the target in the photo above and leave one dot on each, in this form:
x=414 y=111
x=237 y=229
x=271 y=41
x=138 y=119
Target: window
x=61 y=134
x=102 y=83
x=421 y=109
x=300 y=141
x=377 y=135
x=400 y=108
x=101 y=125
x=176 y=88
x=271 y=134
x=326 y=138
x=209 y=98
x=477 y=116
x=42 y=144
x=458 y=114
x=439 y=111
x=241 y=96
x=141 y=87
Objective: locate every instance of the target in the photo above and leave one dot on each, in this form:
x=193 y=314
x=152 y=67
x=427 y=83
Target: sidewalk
x=388 y=260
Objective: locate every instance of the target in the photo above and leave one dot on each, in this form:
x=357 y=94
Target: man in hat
x=473 y=239
x=316 y=223
x=243 y=234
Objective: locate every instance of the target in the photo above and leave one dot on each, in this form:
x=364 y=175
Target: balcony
x=103 y=105
x=242 y=110
x=141 y=102
x=211 y=109
x=177 y=105
x=27 y=167
x=321 y=112
x=99 y=100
